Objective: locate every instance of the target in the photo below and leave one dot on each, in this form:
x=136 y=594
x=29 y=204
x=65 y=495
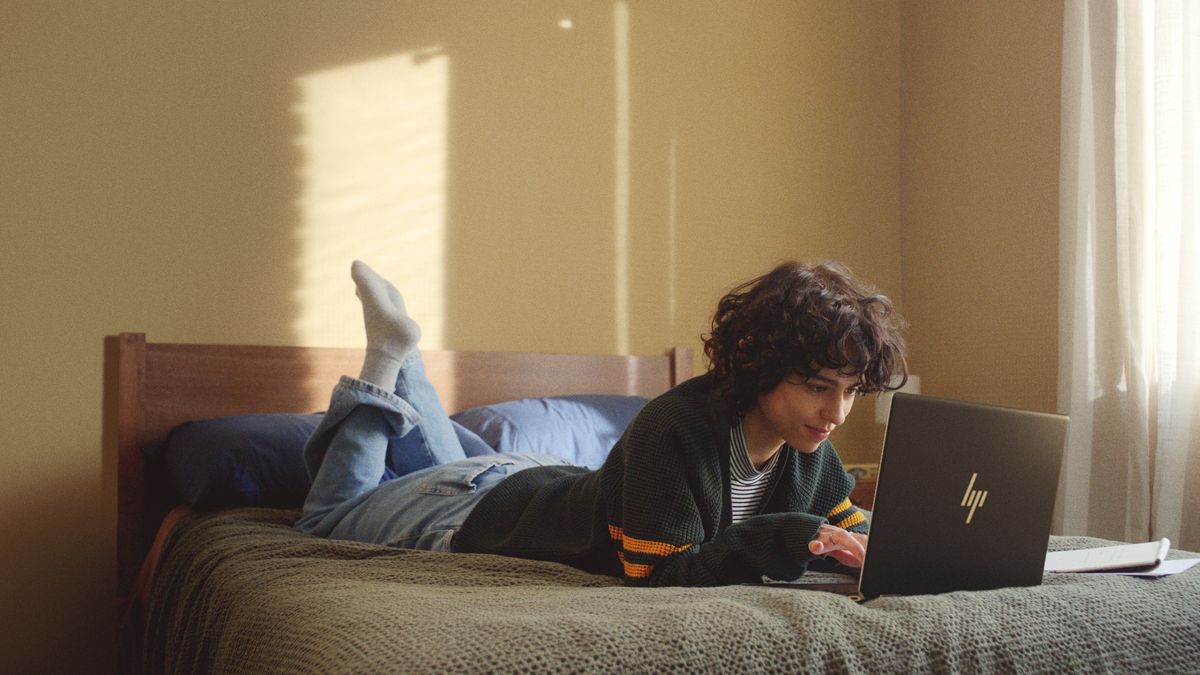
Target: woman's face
x=803 y=411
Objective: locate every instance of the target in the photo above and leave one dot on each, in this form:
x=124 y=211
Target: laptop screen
x=965 y=497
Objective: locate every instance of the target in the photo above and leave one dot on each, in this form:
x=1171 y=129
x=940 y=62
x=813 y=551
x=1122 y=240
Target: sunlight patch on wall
x=621 y=163
x=374 y=188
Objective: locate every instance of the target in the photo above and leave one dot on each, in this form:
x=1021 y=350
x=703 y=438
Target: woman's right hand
x=848 y=548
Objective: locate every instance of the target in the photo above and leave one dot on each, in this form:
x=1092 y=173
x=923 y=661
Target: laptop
x=964 y=500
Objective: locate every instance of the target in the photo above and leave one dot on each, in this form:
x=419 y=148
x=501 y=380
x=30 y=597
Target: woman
x=725 y=479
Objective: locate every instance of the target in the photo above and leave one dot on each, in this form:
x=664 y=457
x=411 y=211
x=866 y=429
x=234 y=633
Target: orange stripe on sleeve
x=642 y=547
x=646 y=546
x=634 y=570
x=851 y=520
x=651 y=547
x=844 y=506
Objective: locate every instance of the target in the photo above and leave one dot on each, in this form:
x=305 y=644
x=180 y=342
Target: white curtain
x=1129 y=361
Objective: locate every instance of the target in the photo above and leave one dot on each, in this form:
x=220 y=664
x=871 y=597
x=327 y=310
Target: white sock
x=391 y=333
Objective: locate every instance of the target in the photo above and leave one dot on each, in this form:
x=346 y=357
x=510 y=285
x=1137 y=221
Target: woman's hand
x=848 y=548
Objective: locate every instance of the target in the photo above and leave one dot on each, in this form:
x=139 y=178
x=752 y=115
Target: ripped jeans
x=347 y=454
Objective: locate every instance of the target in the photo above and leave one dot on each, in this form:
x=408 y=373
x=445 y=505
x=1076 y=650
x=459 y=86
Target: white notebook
x=1109 y=558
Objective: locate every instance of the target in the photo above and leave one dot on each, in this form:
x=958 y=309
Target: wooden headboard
x=159 y=385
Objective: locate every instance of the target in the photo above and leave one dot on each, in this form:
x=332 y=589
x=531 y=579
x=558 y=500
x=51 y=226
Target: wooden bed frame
x=227 y=591
x=159 y=385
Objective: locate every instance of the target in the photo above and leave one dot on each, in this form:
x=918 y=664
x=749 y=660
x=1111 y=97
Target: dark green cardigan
x=657 y=512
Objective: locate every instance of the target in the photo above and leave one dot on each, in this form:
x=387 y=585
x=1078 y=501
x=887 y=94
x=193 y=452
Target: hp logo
x=973 y=498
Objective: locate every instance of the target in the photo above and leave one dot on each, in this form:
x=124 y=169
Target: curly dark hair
x=800 y=319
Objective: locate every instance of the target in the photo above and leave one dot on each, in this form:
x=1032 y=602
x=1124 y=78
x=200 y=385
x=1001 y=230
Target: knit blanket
x=240 y=591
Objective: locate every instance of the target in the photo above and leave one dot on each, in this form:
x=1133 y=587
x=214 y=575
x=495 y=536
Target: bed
x=225 y=587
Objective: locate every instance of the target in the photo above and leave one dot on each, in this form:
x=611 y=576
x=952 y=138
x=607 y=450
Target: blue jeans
x=347 y=455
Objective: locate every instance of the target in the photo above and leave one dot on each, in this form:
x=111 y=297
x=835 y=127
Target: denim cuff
x=361 y=392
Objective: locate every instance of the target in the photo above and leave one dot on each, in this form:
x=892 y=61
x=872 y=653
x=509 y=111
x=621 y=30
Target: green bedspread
x=242 y=592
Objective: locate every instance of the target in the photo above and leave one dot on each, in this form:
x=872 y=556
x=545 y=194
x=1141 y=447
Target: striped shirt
x=748 y=486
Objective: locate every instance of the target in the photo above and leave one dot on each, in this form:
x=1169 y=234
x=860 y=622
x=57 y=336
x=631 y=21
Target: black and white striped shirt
x=747 y=486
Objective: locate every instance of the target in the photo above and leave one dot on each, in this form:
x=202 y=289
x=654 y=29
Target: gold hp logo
x=973 y=498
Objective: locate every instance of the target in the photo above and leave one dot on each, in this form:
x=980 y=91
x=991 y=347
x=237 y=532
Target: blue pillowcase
x=581 y=429
x=245 y=460
x=258 y=460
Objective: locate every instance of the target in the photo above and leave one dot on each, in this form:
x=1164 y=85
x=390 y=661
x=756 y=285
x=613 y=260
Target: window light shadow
x=374 y=187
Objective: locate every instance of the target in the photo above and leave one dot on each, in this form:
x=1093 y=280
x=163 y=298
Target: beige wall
x=980 y=124
x=206 y=173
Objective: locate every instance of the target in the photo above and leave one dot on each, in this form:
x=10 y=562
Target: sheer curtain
x=1129 y=361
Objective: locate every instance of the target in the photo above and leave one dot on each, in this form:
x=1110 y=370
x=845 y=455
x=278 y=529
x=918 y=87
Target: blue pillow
x=244 y=460
x=581 y=429
x=257 y=460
